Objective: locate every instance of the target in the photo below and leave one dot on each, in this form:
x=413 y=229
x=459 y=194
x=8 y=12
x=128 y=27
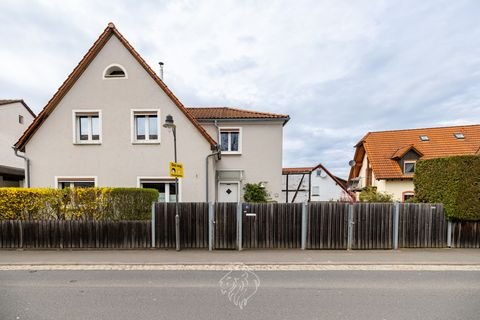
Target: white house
x=386 y=160
x=15 y=117
x=312 y=184
x=104 y=127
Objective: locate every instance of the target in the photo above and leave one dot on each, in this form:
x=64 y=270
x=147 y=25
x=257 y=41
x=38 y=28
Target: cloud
x=338 y=68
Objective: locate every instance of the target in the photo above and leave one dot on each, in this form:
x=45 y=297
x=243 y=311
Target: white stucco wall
x=117 y=162
x=329 y=189
x=261 y=156
x=397 y=187
x=10 y=132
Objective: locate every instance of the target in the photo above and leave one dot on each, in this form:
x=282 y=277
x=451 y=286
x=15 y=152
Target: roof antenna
x=161 y=70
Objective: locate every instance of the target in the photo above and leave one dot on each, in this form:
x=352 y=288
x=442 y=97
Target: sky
x=339 y=68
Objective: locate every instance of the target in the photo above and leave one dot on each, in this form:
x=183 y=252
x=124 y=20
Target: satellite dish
x=352 y=163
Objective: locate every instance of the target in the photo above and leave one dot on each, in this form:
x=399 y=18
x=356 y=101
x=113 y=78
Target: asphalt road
x=280 y=295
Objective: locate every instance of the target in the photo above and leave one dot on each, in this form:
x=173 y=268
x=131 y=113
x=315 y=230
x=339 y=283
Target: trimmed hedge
x=453 y=181
x=76 y=203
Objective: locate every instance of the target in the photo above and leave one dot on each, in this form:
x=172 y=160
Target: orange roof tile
x=202 y=113
x=297 y=170
x=110 y=31
x=382 y=146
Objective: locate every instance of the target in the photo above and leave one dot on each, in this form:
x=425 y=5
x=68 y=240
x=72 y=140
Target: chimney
x=161 y=70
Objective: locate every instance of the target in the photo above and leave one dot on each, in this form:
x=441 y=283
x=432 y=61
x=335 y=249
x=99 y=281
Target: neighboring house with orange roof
x=316 y=183
x=104 y=127
x=386 y=159
x=15 y=117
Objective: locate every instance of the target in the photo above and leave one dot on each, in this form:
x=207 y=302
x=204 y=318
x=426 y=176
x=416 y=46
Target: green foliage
x=370 y=194
x=453 y=181
x=255 y=192
x=76 y=203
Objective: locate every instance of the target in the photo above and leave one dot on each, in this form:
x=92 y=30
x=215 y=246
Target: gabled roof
x=382 y=146
x=309 y=170
x=110 y=31
x=10 y=101
x=215 y=113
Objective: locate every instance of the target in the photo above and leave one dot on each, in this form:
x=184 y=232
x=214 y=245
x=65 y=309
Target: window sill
x=146 y=142
x=226 y=153
x=87 y=143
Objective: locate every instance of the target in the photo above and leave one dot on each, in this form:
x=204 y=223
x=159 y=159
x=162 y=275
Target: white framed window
x=114 y=71
x=75 y=182
x=407 y=195
x=409 y=167
x=146 y=126
x=87 y=126
x=164 y=185
x=315 y=190
x=231 y=140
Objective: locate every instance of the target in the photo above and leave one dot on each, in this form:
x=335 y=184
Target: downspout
x=219 y=156
x=27 y=166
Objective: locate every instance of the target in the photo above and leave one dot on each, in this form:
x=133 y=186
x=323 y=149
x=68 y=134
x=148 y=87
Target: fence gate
x=271 y=225
x=225 y=225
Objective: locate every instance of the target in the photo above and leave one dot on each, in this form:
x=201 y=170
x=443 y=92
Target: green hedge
x=76 y=203
x=453 y=181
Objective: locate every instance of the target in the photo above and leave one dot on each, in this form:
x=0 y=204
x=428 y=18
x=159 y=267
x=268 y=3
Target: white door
x=228 y=192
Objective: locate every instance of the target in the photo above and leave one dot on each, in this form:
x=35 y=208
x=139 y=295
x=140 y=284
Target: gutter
x=285 y=120
x=218 y=153
x=27 y=166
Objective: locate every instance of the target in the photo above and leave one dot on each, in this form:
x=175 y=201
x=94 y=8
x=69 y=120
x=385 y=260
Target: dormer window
x=114 y=71
x=409 y=167
x=424 y=138
x=459 y=135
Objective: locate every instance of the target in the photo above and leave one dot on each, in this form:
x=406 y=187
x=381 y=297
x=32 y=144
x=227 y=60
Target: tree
x=370 y=194
x=255 y=192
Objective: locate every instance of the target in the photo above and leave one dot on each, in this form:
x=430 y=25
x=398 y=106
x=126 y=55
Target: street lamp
x=169 y=124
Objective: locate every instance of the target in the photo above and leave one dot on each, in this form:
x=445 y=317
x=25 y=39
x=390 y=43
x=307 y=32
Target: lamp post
x=169 y=124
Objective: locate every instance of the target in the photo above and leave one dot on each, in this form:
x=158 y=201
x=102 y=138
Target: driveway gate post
x=304 y=225
x=396 y=217
x=239 y=226
x=350 y=226
x=211 y=229
x=153 y=225
x=449 y=234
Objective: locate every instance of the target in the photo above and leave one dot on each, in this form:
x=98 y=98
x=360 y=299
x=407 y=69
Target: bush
x=453 y=181
x=370 y=194
x=76 y=203
x=255 y=192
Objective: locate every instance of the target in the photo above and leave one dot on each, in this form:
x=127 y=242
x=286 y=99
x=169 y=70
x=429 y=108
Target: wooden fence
x=316 y=225
x=75 y=234
x=466 y=234
x=327 y=225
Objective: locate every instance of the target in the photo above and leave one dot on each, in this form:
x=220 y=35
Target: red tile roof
x=232 y=113
x=297 y=170
x=110 y=31
x=381 y=147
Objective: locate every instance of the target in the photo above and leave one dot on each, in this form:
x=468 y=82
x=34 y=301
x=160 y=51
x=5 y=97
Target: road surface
x=202 y=295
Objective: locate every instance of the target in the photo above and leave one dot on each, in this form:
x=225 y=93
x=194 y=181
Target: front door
x=228 y=192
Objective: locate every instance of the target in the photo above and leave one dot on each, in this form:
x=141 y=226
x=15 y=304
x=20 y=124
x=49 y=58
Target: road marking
x=228 y=267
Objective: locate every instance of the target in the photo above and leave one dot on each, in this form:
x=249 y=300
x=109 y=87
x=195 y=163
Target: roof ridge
x=423 y=128
x=240 y=110
x=80 y=69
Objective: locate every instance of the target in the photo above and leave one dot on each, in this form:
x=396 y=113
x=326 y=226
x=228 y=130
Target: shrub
x=255 y=192
x=76 y=203
x=370 y=194
x=453 y=181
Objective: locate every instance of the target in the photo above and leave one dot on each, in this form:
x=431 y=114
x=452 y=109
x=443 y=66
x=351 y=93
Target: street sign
x=176 y=170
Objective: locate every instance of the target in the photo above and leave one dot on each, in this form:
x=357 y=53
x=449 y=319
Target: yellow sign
x=176 y=170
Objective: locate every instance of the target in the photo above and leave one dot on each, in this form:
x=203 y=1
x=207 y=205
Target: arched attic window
x=114 y=71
